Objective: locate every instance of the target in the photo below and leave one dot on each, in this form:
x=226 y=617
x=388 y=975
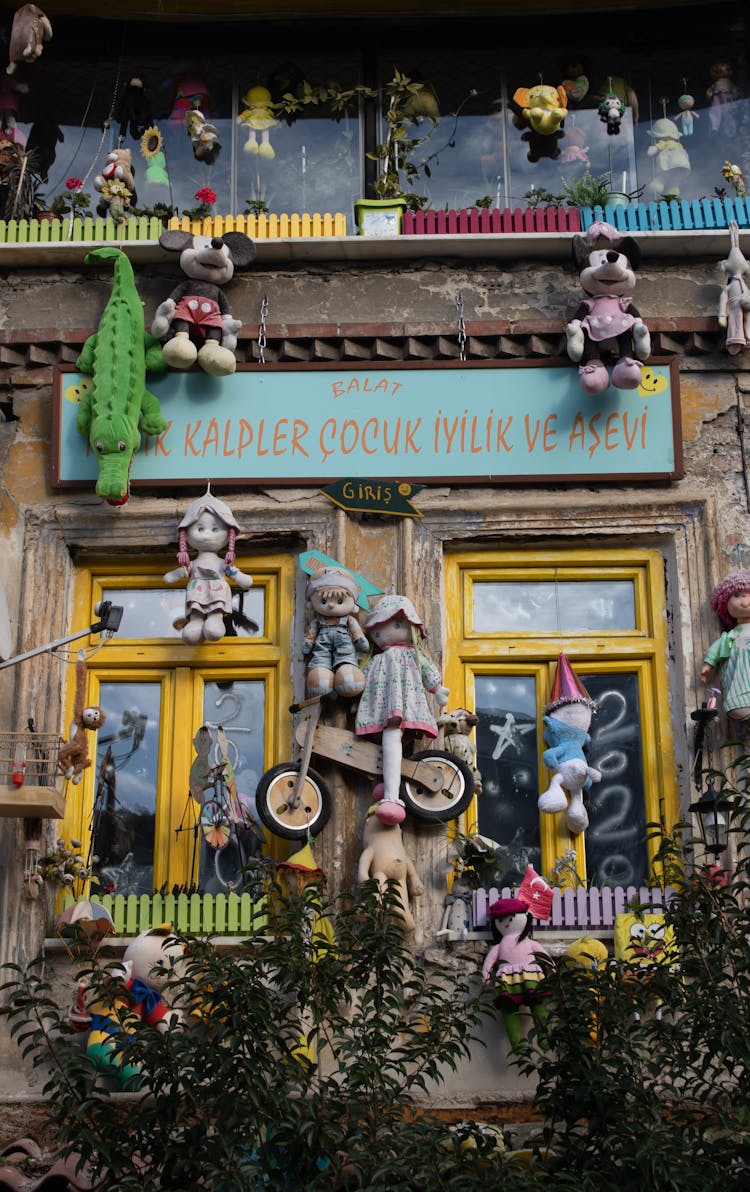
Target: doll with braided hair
x=729 y=656
x=209 y=526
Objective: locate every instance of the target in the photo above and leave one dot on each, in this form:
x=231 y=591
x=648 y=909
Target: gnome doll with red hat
x=567 y=719
x=512 y=962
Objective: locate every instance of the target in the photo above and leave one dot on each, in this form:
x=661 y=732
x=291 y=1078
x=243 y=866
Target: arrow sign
x=390 y=497
x=313 y=561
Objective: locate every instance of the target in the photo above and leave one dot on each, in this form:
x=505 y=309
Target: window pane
x=127 y=762
x=616 y=853
x=238 y=707
x=148 y=612
x=550 y=606
x=507 y=758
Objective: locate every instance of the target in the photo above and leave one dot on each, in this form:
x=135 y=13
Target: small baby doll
x=397 y=678
x=207 y=527
x=729 y=656
x=517 y=972
x=334 y=636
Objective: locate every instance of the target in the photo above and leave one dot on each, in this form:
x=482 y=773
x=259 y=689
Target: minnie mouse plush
x=608 y=317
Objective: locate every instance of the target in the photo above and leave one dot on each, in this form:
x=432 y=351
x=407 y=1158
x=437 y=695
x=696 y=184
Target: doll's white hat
x=389 y=607
x=331 y=577
x=208 y=502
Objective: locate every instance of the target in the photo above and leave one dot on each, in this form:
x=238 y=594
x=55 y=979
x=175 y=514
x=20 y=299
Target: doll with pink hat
x=566 y=736
x=728 y=658
x=398 y=676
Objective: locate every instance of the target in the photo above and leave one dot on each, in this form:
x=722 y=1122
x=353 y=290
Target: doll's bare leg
x=192 y=630
x=214 y=627
x=392 y=757
x=349 y=681
x=319 y=681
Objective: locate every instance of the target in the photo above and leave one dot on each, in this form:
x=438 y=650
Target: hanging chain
x=262 y=329
x=461 y=326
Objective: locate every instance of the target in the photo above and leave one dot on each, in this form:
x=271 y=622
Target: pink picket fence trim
x=573 y=910
x=481 y=221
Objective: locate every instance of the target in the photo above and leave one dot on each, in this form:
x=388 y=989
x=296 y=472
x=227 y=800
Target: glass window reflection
x=150 y=612
x=550 y=606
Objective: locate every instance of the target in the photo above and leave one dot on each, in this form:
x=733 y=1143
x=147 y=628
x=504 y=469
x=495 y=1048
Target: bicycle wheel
x=273 y=802
x=446 y=804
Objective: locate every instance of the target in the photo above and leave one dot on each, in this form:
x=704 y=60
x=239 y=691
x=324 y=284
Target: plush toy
x=512 y=963
x=721 y=96
x=116 y=184
x=73 y=757
x=566 y=736
x=207 y=527
x=44 y=137
x=611 y=111
x=574 y=149
x=590 y=954
x=457 y=726
x=257 y=117
x=151 y=960
x=686 y=116
x=619 y=88
x=10 y=107
x=117 y=407
x=30 y=29
x=576 y=83
x=197 y=312
x=397 y=678
x=204 y=137
x=543 y=110
x=607 y=273
x=134 y=111
x=672 y=164
x=644 y=942
x=734 y=300
x=384 y=857
x=334 y=636
x=458 y=913
x=727 y=658
x=735 y=177
x=191 y=92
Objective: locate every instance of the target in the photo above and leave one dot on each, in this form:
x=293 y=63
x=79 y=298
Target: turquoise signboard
x=487 y=422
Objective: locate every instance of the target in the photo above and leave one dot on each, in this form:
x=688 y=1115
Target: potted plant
x=20 y=185
x=205 y=198
x=72 y=201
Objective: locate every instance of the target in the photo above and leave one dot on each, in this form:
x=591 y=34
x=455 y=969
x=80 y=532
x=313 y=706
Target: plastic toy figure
x=208 y=527
x=728 y=658
x=397 y=677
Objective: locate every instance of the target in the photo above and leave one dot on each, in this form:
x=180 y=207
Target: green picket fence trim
x=62 y=231
x=189 y=914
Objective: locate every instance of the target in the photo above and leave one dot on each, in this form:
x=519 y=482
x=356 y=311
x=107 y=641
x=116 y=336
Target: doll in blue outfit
x=728 y=658
x=566 y=736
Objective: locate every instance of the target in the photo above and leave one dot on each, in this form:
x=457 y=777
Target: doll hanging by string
x=398 y=676
x=728 y=658
x=513 y=966
x=73 y=757
x=209 y=526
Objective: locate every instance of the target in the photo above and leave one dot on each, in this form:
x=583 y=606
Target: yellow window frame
x=182 y=671
x=642 y=650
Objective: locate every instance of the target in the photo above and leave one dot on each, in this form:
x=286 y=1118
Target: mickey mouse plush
x=195 y=323
x=608 y=317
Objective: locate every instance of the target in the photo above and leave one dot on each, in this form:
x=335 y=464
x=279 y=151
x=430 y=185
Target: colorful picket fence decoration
x=485 y=221
x=264 y=227
x=261 y=227
x=677 y=215
x=228 y=914
x=579 y=910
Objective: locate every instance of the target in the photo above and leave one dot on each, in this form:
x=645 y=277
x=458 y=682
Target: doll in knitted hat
x=334 y=636
x=512 y=964
x=208 y=527
x=398 y=676
x=566 y=735
x=728 y=658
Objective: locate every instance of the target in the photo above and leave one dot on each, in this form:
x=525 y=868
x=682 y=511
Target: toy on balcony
x=195 y=322
x=134 y=111
x=397 y=678
x=30 y=29
x=116 y=185
x=722 y=95
x=209 y=526
x=611 y=111
x=567 y=719
x=257 y=117
x=512 y=963
x=384 y=858
x=687 y=116
x=734 y=300
x=543 y=110
x=334 y=636
x=73 y=757
x=615 y=87
x=728 y=658
x=671 y=165
x=608 y=317
x=204 y=137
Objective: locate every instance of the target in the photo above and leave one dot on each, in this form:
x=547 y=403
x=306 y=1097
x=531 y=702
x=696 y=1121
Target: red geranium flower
x=205 y=195
x=73 y=184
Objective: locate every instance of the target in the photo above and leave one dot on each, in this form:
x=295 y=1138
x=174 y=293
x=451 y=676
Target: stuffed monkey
x=73 y=757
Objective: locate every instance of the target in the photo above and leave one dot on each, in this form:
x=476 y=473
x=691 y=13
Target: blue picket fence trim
x=683 y=215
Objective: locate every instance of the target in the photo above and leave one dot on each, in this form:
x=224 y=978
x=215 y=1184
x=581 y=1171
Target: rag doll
x=73 y=757
x=334 y=636
x=728 y=658
x=512 y=965
x=257 y=117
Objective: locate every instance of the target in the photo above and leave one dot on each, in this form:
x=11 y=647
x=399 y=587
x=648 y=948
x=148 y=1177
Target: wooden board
x=354 y=753
x=37 y=802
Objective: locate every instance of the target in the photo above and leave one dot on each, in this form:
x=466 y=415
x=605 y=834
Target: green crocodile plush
x=118 y=406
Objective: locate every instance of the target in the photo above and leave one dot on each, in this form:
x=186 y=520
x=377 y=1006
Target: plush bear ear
x=631 y=249
x=241 y=248
x=176 y=241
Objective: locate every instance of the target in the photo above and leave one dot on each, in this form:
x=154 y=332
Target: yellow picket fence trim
x=261 y=227
x=264 y=227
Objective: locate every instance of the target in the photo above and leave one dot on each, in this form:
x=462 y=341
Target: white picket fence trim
x=575 y=910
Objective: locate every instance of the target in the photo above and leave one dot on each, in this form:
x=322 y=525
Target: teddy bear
x=384 y=857
x=606 y=262
x=543 y=110
x=195 y=322
x=150 y=962
x=30 y=29
x=457 y=726
x=73 y=756
x=116 y=184
x=334 y=636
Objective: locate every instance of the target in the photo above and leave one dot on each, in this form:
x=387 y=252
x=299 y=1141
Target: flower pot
x=379 y=217
x=616 y=198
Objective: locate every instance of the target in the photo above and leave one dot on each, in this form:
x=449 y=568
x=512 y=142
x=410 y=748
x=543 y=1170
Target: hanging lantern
x=712 y=812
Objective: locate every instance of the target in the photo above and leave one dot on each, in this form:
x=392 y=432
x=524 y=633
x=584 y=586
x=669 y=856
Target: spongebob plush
x=644 y=941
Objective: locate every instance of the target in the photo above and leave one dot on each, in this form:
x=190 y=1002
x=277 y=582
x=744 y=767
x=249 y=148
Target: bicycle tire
x=438 y=807
x=292 y=823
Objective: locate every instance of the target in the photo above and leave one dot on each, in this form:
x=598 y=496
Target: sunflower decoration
x=152 y=148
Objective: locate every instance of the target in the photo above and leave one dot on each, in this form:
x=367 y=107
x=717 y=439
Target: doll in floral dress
x=397 y=678
x=729 y=656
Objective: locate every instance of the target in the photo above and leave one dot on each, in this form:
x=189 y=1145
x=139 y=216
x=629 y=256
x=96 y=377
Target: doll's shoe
x=553 y=800
x=627 y=373
x=594 y=378
x=180 y=351
x=217 y=361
